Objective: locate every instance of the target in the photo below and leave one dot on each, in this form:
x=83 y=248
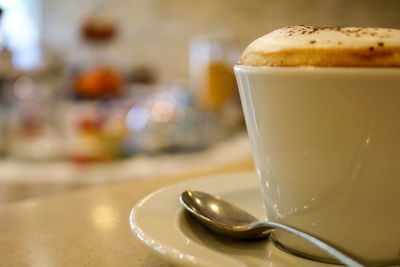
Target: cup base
x=324 y=260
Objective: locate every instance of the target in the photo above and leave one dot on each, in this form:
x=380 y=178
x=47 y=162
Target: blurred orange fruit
x=98 y=83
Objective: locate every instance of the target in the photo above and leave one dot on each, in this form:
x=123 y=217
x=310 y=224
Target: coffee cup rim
x=362 y=69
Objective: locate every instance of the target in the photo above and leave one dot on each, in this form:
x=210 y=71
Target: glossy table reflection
x=85 y=228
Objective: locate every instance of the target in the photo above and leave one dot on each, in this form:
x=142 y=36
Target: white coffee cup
x=326 y=146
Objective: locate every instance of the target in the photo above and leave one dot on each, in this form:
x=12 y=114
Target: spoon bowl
x=230 y=220
x=222 y=217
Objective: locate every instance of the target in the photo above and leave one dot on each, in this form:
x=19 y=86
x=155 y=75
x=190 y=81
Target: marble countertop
x=87 y=227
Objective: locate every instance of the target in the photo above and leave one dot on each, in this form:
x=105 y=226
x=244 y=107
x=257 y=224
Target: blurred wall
x=157 y=31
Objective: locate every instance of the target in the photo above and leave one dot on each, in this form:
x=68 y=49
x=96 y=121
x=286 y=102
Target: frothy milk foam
x=326 y=139
x=337 y=46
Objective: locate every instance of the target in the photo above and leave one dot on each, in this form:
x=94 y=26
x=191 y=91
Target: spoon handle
x=344 y=258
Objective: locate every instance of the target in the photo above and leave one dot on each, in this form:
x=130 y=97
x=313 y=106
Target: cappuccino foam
x=325 y=47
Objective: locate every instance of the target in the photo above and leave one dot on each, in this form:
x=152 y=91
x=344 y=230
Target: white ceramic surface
x=159 y=221
x=326 y=145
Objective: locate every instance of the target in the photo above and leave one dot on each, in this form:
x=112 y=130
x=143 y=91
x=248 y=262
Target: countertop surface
x=87 y=227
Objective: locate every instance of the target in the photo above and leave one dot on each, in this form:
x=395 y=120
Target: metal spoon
x=229 y=220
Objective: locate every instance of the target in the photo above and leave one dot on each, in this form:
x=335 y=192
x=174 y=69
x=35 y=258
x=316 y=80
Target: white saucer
x=158 y=220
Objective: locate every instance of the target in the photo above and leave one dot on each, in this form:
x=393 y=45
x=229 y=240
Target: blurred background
x=95 y=92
